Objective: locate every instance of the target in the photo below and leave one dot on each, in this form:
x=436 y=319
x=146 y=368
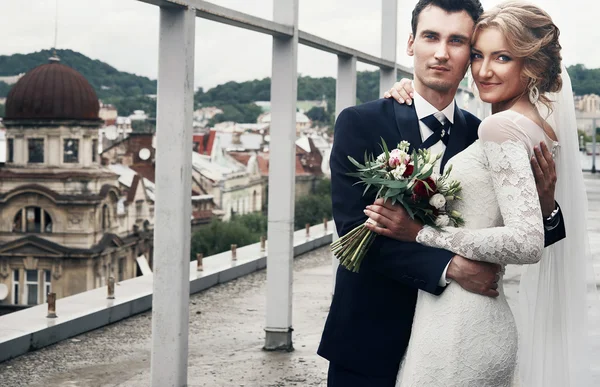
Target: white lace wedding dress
x=461 y=339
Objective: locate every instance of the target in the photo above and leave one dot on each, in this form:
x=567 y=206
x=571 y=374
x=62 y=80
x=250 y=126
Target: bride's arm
x=521 y=239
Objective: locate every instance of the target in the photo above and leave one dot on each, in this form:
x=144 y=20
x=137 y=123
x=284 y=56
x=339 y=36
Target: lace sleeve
x=521 y=239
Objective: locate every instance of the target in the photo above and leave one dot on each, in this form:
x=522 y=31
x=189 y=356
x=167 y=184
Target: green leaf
x=428 y=174
x=356 y=163
x=406 y=207
x=398 y=184
x=385 y=148
x=393 y=192
x=415 y=160
x=379 y=192
x=427 y=186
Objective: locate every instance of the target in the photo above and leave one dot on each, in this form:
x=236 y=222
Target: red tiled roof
x=134 y=185
x=145 y=170
x=211 y=140
x=204 y=142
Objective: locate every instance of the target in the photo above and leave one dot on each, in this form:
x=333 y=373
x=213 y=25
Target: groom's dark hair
x=472 y=7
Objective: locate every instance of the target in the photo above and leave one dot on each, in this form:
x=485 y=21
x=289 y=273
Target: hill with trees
x=130 y=92
x=125 y=90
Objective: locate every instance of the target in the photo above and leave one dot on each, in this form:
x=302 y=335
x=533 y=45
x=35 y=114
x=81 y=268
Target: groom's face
x=441 y=48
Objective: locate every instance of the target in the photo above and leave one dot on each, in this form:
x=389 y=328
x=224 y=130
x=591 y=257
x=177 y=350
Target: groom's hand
x=544 y=172
x=392 y=221
x=474 y=276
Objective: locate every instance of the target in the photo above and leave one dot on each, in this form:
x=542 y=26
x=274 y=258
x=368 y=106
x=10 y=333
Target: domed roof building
x=66 y=226
x=52 y=93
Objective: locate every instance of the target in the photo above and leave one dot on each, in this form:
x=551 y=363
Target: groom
x=369 y=322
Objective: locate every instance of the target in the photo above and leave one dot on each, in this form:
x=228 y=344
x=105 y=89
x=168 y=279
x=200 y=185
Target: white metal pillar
x=345 y=96
x=171 y=288
x=282 y=161
x=389 y=39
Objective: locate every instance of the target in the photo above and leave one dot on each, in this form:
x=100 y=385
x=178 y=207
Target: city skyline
x=126 y=35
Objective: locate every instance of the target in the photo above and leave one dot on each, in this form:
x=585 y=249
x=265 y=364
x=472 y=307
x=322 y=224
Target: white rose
x=403 y=156
x=442 y=221
x=438 y=201
x=404 y=145
x=399 y=171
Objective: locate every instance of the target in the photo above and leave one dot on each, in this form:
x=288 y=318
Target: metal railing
x=173 y=167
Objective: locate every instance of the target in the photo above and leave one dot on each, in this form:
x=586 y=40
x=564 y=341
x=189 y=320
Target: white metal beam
x=207 y=10
x=172 y=233
x=337 y=49
x=210 y=11
x=345 y=96
x=389 y=39
x=282 y=162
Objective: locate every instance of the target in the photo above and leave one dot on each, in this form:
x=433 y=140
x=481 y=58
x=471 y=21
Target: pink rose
x=395 y=158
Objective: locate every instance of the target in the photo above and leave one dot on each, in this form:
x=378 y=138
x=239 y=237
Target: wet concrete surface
x=226 y=336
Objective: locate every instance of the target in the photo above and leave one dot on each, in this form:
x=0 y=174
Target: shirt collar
x=424 y=108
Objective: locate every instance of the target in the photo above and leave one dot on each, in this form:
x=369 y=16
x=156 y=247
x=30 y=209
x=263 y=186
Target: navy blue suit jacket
x=371 y=313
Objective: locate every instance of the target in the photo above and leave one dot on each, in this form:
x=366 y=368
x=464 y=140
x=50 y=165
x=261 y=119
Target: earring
x=534 y=95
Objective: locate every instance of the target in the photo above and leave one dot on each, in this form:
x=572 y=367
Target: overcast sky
x=124 y=33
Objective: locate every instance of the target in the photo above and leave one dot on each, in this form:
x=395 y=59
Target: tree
x=312 y=209
x=126 y=105
x=318 y=114
x=219 y=236
x=105 y=79
x=255 y=222
x=2 y=110
x=323 y=188
x=4 y=89
x=146 y=126
x=244 y=113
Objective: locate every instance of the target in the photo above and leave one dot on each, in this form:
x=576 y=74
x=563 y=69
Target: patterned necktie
x=440 y=131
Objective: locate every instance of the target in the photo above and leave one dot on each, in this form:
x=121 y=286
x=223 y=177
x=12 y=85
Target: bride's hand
x=392 y=221
x=401 y=91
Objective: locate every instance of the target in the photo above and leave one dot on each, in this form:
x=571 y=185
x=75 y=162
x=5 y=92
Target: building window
x=10 y=151
x=121 y=273
x=36 y=150
x=15 y=288
x=32 y=219
x=31 y=287
x=94 y=151
x=139 y=207
x=47 y=284
x=105 y=217
x=71 y=151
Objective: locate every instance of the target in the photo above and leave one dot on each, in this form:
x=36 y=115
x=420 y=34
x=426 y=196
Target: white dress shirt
x=424 y=109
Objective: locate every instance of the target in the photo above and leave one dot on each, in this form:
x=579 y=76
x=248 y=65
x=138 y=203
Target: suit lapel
x=458 y=137
x=408 y=124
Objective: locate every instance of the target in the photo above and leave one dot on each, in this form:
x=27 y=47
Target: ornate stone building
x=66 y=226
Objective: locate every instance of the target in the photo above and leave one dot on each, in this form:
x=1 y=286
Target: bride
x=462 y=339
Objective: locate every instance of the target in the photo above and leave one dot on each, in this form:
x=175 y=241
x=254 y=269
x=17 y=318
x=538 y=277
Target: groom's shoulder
x=471 y=120
x=376 y=107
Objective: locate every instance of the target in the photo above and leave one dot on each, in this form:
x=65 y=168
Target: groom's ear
x=409 y=45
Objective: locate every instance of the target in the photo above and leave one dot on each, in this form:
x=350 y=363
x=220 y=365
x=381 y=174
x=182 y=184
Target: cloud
x=125 y=34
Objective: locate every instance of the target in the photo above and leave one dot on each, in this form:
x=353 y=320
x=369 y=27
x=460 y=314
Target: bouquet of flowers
x=407 y=179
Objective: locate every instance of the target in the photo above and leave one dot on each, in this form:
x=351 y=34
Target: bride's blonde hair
x=532 y=35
